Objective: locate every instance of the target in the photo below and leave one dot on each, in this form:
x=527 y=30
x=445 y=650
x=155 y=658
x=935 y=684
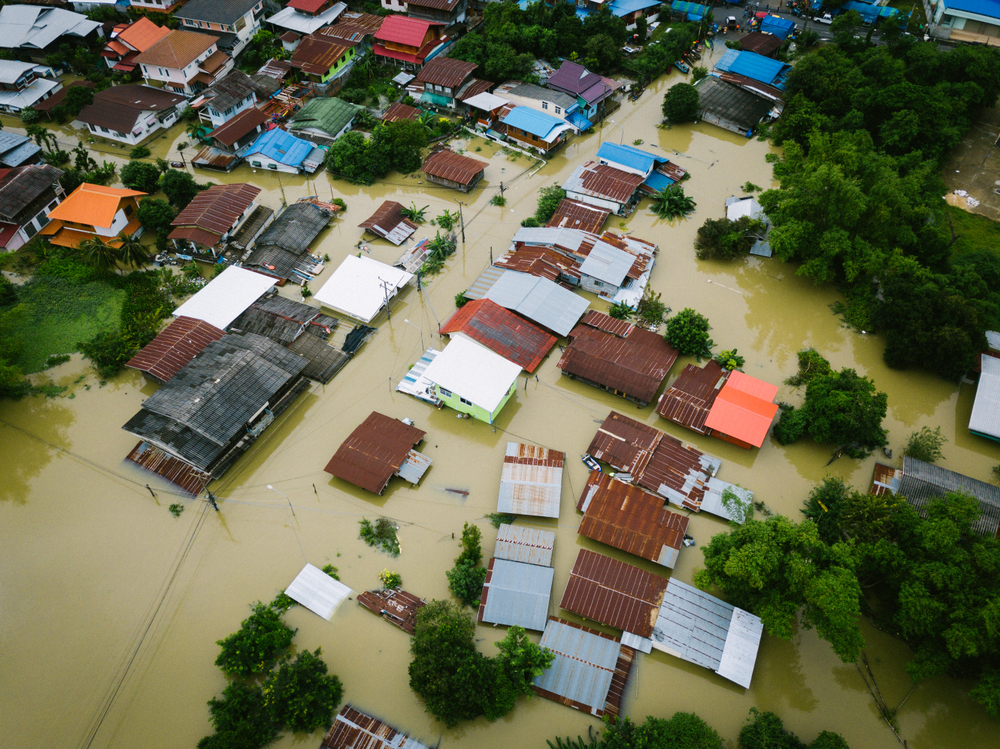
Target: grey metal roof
x=324 y=360
x=520 y=544
x=20 y=187
x=985 y=418
x=16 y=149
x=922 y=483
x=607 y=264
x=730 y=102
x=277 y=318
x=531 y=91
x=516 y=593
x=216 y=11
x=531 y=481
x=539 y=300
x=484 y=283
x=583 y=666
x=295 y=228
x=230 y=90
x=550 y=236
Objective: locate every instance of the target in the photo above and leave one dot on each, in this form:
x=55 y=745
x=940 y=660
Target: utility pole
x=461 y=219
x=501 y=190
x=385 y=292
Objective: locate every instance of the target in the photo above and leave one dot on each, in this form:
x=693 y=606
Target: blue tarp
x=752 y=65
x=694 y=11
x=989 y=8
x=658 y=181
x=780 y=27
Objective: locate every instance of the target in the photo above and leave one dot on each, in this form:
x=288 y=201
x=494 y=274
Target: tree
x=764 y=730
x=671 y=202
x=99 y=255
x=784 y=573
x=723 y=239
x=519 y=662
x=131 y=251
x=43 y=137
x=549 y=199
x=155 y=214
x=301 y=694
x=681 y=103
x=466 y=578
x=179 y=187
x=241 y=719
x=651 y=310
x=260 y=640
x=141 y=176
x=925 y=444
x=687 y=331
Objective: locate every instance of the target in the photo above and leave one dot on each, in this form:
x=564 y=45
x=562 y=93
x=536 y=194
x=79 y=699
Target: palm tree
x=671 y=203
x=98 y=254
x=131 y=251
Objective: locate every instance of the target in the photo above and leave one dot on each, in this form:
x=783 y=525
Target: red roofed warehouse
x=502 y=332
x=453 y=170
x=380 y=448
x=743 y=411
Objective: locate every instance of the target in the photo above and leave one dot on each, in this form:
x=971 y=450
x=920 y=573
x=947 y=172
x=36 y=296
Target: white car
x=827 y=19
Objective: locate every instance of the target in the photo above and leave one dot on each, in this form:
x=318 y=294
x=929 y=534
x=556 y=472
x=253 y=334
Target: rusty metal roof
x=218 y=208
x=688 y=401
x=396 y=606
x=445 y=71
x=501 y=331
x=436 y=4
x=165 y=465
x=521 y=544
x=630 y=519
x=318 y=54
x=531 y=480
x=374 y=452
x=603 y=181
x=232 y=130
x=400 y=111
x=614 y=593
x=539 y=261
x=446 y=164
x=516 y=593
x=389 y=223
x=355 y=730
x=572 y=214
x=601 y=321
x=176 y=345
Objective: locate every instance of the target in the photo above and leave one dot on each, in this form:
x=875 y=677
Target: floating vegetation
x=381 y=535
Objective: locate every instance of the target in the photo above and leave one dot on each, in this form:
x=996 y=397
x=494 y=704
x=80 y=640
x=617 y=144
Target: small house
x=185 y=62
x=388 y=222
x=233 y=93
x=282 y=250
x=23 y=85
x=127 y=41
x=355 y=730
x=516 y=594
x=594 y=94
x=176 y=345
x=501 y=331
x=743 y=410
x=530 y=128
x=519 y=543
x=766 y=45
x=362 y=287
x=445 y=167
x=604 y=186
x=398 y=111
x=231 y=141
x=279 y=151
x=540 y=300
x=131 y=113
x=325 y=61
x=658 y=171
x=304 y=17
x=472 y=379
x=380 y=448
x=444 y=80
x=545 y=100
x=605 y=270
x=731 y=107
x=689 y=400
x=94 y=212
x=757 y=68
x=234 y=22
x=323 y=120
x=27 y=196
x=487 y=108
x=409 y=42
x=210 y=219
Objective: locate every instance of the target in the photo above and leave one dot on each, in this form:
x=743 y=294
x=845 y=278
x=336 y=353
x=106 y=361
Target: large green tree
x=140 y=175
x=680 y=103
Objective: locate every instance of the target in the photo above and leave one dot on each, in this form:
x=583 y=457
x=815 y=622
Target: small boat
x=682 y=67
x=694 y=53
x=588 y=460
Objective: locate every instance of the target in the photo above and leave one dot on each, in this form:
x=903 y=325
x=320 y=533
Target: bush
x=722 y=239
x=380 y=535
x=140 y=175
x=687 y=331
x=549 y=199
x=680 y=103
x=466 y=578
x=671 y=202
x=530 y=222
x=390 y=580
x=729 y=359
x=258 y=643
x=925 y=444
x=139 y=152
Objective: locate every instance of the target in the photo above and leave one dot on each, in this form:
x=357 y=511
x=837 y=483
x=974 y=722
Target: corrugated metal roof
x=481 y=286
x=389 y=223
x=922 y=483
x=218 y=208
x=583 y=668
x=516 y=593
x=601 y=321
x=572 y=214
x=761 y=43
x=628 y=157
x=985 y=419
x=317 y=591
x=725 y=100
x=603 y=181
x=537 y=123
x=174 y=470
x=502 y=332
x=324 y=360
x=752 y=65
x=448 y=165
x=174 y=347
x=613 y=593
x=355 y=730
x=473 y=372
x=607 y=264
x=445 y=71
x=394 y=605
x=688 y=401
x=630 y=519
x=374 y=452
x=571 y=240
x=539 y=300
x=539 y=261
x=711 y=501
x=521 y=544
x=743 y=409
x=531 y=480
x=398 y=111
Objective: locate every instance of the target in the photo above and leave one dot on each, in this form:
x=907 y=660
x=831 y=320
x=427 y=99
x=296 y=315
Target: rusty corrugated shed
x=448 y=72
x=395 y=606
x=453 y=167
x=601 y=321
x=572 y=214
x=374 y=452
x=531 y=480
x=626 y=517
x=502 y=332
x=603 y=181
x=614 y=593
x=175 y=346
x=177 y=472
x=355 y=730
x=516 y=593
x=520 y=544
x=688 y=401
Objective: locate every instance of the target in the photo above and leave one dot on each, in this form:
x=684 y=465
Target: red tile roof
x=142 y=34
x=502 y=332
x=445 y=71
x=743 y=409
x=572 y=214
x=453 y=167
x=614 y=593
x=404 y=30
x=688 y=401
x=218 y=208
x=374 y=452
x=176 y=345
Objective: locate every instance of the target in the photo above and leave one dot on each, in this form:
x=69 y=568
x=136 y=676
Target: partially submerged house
x=730 y=107
x=519 y=543
x=23 y=85
x=317 y=591
x=355 y=730
x=501 y=331
x=689 y=400
x=233 y=93
x=212 y=216
x=131 y=113
x=623 y=359
x=279 y=151
x=409 y=42
x=658 y=171
x=185 y=62
x=531 y=481
x=443 y=80
x=94 y=211
x=226 y=297
x=174 y=347
x=27 y=196
x=545 y=100
x=381 y=447
x=604 y=186
x=282 y=250
x=472 y=379
x=394 y=605
x=743 y=410
x=323 y=120
x=628 y=518
x=231 y=141
x=388 y=222
x=595 y=94
x=362 y=287
x=530 y=128
x=447 y=168
x=540 y=300
x=737 y=208
x=516 y=593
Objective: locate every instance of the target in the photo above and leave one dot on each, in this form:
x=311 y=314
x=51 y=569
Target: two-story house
x=185 y=62
x=325 y=61
x=232 y=94
x=128 y=40
x=446 y=12
x=27 y=195
x=94 y=211
x=234 y=22
x=545 y=100
x=22 y=86
x=231 y=141
x=306 y=16
x=131 y=113
x=211 y=218
x=409 y=42
x=594 y=93
x=444 y=80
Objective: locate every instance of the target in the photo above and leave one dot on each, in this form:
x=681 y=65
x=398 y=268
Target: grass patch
x=975 y=233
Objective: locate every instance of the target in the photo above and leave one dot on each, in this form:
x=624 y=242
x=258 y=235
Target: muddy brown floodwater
x=111 y=607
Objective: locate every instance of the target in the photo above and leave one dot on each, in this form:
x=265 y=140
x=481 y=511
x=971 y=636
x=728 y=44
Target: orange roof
x=117 y=47
x=62 y=237
x=143 y=34
x=741 y=412
x=177 y=49
x=93 y=205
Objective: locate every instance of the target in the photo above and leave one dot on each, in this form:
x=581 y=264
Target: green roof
x=329 y=115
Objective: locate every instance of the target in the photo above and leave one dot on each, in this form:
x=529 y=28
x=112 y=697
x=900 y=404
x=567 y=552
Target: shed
x=614 y=593
x=590 y=669
x=539 y=300
x=481 y=286
x=353 y=729
x=283 y=320
x=225 y=297
x=574 y=214
x=519 y=543
x=531 y=481
x=450 y=169
x=317 y=591
x=389 y=223
x=380 y=448
x=361 y=287
x=626 y=517
x=688 y=401
x=985 y=419
x=921 y=483
x=502 y=332
x=394 y=605
x=472 y=379
x=516 y=593
x=743 y=410
x=731 y=107
x=177 y=344
x=708 y=632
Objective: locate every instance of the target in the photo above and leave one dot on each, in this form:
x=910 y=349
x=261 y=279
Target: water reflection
x=32 y=430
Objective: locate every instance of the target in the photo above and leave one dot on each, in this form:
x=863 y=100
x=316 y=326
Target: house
x=131 y=113
x=27 y=196
x=389 y=223
x=689 y=400
x=531 y=481
x=397 y=607
x=398 y=111
x=396 y=6
x=749 y=67
x=23 y=85
x=658 y=171
x=445 y=12
x=632 y=10
x=541 y=262
x=94 y=211
x=280 y=151
x=445 y=167
x=380 y=448
x=211 y=218
x=545 y=100
x=516 y=594
x=226 y=297
x=283 y=320
x=157 y=6
x=128 y=40
x=633 y=520
x=766 y=45
x=185 y=62
x=18 y=150
x=594 y=94
x=176 y=345
x=604 y=186
x=355 y=730
x=216 y=406
x=590 y=669
x=540 y=300
x=737 y=208
x=323 y=120
x=231 y=141
x=443 y=80
x=359 y=28
x=623 y=359
x=501 y=331
x=282 y=250
x=574 y=214
x=306 y=16
x=731 y=107
x=361 y=287
x=967 y=21
x=519 y=543
x=605 y=271
x=530 y=128
x=743 y=410
x=472 y=379
x=37 y=31
x=325 y=61
x=985 y=407
x=234 y=22
x=409 y=42
x=233 y=93
x=488 y=109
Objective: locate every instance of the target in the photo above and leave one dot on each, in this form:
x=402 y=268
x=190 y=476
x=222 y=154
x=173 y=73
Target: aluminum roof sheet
x=519 y=543
x=218 y=208
x=745 y=207
x=583 y=667
x=374 y=452
x=486 y=101
x=531 y=481
x=355 y=730
x=481 y=286
x=361 y=286
x=176 y=345
x=545 y=236
x=607 y=264
x=225 y=297
x=922 y=483
x=516 y=593
x=445 y=71
x=289 y=17
x=502 y=332
x=985 y=417
x=629 y=157
x=603 y=181
x=317 y=591
x=473 y=372
x=754 y=66
x=539 y=300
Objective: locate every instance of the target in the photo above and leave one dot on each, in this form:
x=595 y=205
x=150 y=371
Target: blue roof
x=989 y=8
x=658 y=181
x=628 y=156
x=621 y=8
x=577 y=118
x=780 y=27
x=694 y=11
x=752 y=65
x=282 y=147
x=532 y=121
x=867 y=12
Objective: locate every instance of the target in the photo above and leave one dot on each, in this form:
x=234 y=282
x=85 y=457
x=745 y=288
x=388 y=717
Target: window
x=128 y=209
x=255 y=163
x=444 y=391
x=468 y=403
x=272 y=166
x=558 y=110
x=545 y=105
x=29 y=230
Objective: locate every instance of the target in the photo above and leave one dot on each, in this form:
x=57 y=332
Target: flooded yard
x=112 y=607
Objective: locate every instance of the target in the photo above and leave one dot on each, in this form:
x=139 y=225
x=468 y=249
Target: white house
x=234 y=21
x=130 y=113
x=22 y=86
x=185 y=62
x=234 y=93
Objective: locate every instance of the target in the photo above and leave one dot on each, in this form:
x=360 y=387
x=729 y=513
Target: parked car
x=827 y=19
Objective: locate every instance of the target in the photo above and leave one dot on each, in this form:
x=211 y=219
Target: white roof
x=473 y=372
x=30 y=95
x=986 y=407
x=11 y=70
x=317 y=591
x=607 y=263
x=36 y=27
x=303 y=23
x=360 y=286
x=486 y=101
x=225 y=298
x=993 y=340
x=746 y=207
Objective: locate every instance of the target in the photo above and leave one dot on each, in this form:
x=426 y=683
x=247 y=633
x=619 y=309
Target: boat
x=590 y=462
x=682 y=67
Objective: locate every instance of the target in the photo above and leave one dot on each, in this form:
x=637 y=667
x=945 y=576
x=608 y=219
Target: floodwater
x=112 y=607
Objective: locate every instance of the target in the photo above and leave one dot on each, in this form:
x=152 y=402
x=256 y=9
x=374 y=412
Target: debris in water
x=463 y=492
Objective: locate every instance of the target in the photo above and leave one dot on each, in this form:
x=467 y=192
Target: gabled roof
x=308 y=6
x=531 y=91
x=226 y=296
x=743 y=409
x=629 y=157
x=361 y=287
x=572 y=214
x=34 y=27
x=245 y=122
x=389 y=223
x=539 y=124
x=448 y=165
x=142 y=34
x=355 y=730
x=354 y=27
x=281 y=146
x=119 y=107
x=316 y=54
x=21 y=185
x=754 y=66
x=473 y=372
x=329 y=115
x=538 y=299
x=745 y=207
x=230 y=90
x=218 y=208
x=922 y=483
x=985 y=419
x=516 y=593
x=374 y=452
x=485 y=101
x=603 y=181
x=175 y=346
x=93 y=205
x=688 y=401
x=436 y=4
x=295 y=228
x=215 y=11
x=730 y=102
x=607 y=264
x=762 y=44
x=573 y=78
x=177 y=50
x=502 y=332
x=404 y=30
x=531 y=481
x=445 y=71
x=400 y=111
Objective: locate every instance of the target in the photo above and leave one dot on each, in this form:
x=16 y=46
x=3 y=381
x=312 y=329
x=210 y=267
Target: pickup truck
x=827 y=19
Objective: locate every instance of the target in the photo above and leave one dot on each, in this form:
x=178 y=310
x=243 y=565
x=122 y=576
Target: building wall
x=125 y=213
x=396 y=6
x=144 y=127
x=591 y=284
x=37 y=222
x=244 y=28
x=220 y=118
x=457 y=14
x=260 y=161
x=455 y=401
x=180 y=79
x=454 y=185
x=598 y=202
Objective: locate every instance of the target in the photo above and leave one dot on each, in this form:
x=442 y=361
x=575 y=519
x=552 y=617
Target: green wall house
x=472 y=379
